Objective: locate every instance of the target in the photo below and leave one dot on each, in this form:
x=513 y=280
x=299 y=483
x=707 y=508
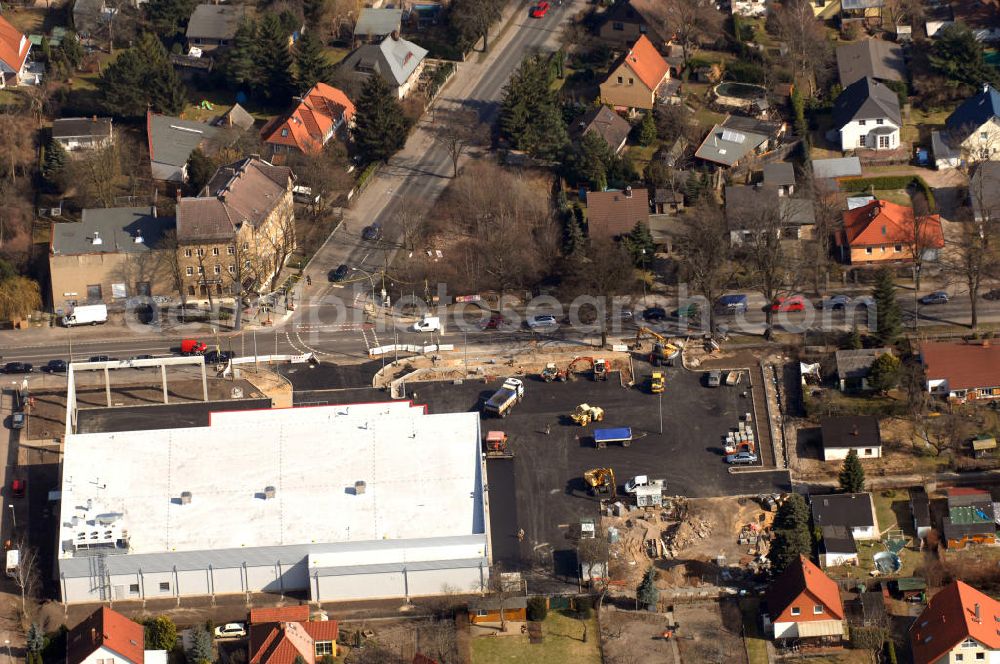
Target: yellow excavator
x=585 y=414
x=601 y=481
x=663 y=351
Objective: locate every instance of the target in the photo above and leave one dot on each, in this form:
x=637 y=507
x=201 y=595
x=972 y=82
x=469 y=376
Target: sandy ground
x=709 y=633
x=630 y=637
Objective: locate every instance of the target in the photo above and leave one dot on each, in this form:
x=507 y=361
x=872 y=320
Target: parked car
x=17 y=367
x=338 y=274
x=654 y=314
x=55 y=366
x=542 y=321
x=624 y=314
x=691 y=310
x=231 y=631
x=742 y=458
x=100 y=358
x=992 y=294
x=495 y=322
x=713 y=378
x=540 y=10
x=793 y=303
x=219 y=356
x=937 y=297
x=18 y=420
x=18 y=488
x=835 y=302
x=373 y=232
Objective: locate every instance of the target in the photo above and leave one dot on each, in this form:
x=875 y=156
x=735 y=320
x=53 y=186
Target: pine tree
x=35 y=639
x=379 y=125
x=590 y=158
x=573 y=240
x=640 y=244
x=241 y=67
x=276 y=68
x=854 y=341
x=142 y=77
x=647 y=593
x=647 y=130
x=71 y=49
x=54 y=166
x=201 y=646
x=311 y=64
x=530 y=116
x=200 y=169
x=885 y=373
x=888 y=317
x=852 y=475
x=791 y=532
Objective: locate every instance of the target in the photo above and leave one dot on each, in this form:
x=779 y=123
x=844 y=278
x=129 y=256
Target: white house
x=866 y=114
x=398 y=61
x=843 y=434
x=843 y=519
x=108 y=637
x=14 y=50
x=959 y=626
x=972 y=131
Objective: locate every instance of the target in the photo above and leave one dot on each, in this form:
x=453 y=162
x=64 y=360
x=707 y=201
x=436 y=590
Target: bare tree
x=455 y=130
x=827 y=214
x=281 y=244
x=691 y=22
x=706 y=250
x=413 y=225
x=169 y=257
x=325 y=173
x=100 y=169
x=502 y=590
x=203 y=280
x=605 y=271
x=769 y=267
x=806 y=38
x=26 y=578
x=943 y=433
x=17 y=147
x=870 y=635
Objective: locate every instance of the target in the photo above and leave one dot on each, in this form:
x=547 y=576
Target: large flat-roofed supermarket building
x=344 y=502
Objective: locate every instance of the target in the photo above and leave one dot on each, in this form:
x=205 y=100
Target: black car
x=992 y=295
x=339 y=274
x=100 y=358
x=654 y=314
x=219 y=356
x=17 y=367
x=373 y=232
x=55 y=366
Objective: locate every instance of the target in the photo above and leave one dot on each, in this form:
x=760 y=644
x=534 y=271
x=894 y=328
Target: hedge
x=890 y=182
x=367 y=174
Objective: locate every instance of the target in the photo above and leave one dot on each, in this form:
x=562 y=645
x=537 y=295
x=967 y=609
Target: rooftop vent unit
x=268 y=493
x=185 y=497
x=138 y=238
x=359 y=487
x=97 y=238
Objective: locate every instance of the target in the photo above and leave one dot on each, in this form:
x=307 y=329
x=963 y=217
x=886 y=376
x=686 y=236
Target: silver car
x=742 y=459
x=542 y=321
x=713 y=379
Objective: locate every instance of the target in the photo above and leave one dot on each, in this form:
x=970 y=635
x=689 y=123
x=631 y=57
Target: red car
x=540 y=10
x=17 y=488
x=794 y=303
x=192 y=347
x=495 y=322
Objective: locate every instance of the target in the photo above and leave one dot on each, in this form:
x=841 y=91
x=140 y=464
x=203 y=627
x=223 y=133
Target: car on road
x=219 y=356
x=542 y=321
x=338 y=274
x=495 y=322
x=17 y=367
x=937 y=297
x=624 y=314
x=55 y=366
x=742 y=458
x=713 y=378
x=18 y=488
x=654 y=314
x=428 y=324
x=835 y=302
x=793 y=303
x=690 y=310
x=992 y=294
x=540 y=10
x=373 y=232
x=18 y=420
x=100 y=358
x=231 y=631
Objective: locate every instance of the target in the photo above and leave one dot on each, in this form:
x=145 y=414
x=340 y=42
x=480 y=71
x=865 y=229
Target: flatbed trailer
x=621 y=435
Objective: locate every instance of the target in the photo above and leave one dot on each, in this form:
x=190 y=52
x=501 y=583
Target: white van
x=427 y=324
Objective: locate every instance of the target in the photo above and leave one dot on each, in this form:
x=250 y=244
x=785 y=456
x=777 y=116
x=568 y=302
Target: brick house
x=803 y=602
x=958 y=625
x=961 y=372
x=882 y=231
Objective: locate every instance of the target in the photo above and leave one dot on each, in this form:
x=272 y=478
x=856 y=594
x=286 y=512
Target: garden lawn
x=897 y=196
x=561 y=644
x=641 y=156
x=755 y=643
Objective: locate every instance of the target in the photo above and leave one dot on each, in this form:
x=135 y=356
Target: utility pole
x=660 y=401
x=256 y=364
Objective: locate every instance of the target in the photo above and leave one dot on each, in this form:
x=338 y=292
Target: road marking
x=333 y=326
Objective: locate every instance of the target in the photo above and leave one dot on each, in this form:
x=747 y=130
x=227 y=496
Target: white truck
x=88 y=314
x=647 y=492
x=505 y=398
x=428 y=324
x=13 y=560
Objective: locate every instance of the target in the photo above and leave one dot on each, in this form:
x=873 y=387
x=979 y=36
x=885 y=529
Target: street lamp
x=6 y=644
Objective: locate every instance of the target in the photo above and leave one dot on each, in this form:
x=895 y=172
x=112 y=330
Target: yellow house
x=635 y=80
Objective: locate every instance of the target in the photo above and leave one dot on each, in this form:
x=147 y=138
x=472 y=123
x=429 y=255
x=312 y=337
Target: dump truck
x=551 y=372
x=504 y=399
x=496 y=445
x=601 y=481
x=621 y=435
x=88 y=314
x=585 y=414
x=656 y=382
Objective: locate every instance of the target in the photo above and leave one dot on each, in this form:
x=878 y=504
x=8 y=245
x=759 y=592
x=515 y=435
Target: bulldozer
x=551 y=372
x=656 y=383
x=496 y=445
x=585 y=414
x=601 y=481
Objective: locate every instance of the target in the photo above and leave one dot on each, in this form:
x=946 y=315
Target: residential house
x=881 y=231
x=920 y=508
x=802 y=603
x=972 y=131
x=984 y=191
x=627 y=20
x=14 y=50
x=376 y=23
x=108 y=256
x=171 y=142
x=398 y=61
x=870 y=58
x=282 y=635
x=843 y=519
x=79 y=134
x=323 y=111
x=971 y=518
x=666 y=201
x=867 y=116
x=961 y=371
x=635 y=80
x=739 y=139
x=486 y=610
x=213 y=26
x=781 y=176
x=610 y=126
x=107 y=636
x=614 y=213
x=239 y=231
x=959 y=625
x=852 y=432
x=746 y=203
x=853 y=367
x=867 y=11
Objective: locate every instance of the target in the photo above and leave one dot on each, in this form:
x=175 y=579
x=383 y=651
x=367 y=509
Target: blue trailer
x=621 y=435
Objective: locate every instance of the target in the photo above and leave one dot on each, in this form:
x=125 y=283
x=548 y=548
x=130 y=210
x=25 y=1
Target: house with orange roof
x=107 y=636
x=281 y=635
x=321 y=113
x=960 y=624
x=634 y=82
x=802 y=603
x=14 y=49
x=882 y=231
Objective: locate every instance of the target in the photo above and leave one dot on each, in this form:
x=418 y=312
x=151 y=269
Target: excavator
x=585 y=414
x=663 y=353
x=601 y=481
x=599 y=366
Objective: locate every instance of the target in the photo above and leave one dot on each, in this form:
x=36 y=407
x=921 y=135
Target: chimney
x=93 y=635
x=628 y=192
x=152 y=211
x=97 y=238
x=185 y=497
x=268 y=492
x=986 y=343
x=93 y=118
x=977 y=617
x=178 y=193
x=138 y=238
x=986 y=88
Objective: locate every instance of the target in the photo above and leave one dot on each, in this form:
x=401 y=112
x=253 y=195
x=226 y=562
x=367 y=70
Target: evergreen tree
x=957 y=54
x=590 y=159
x=852 y=475
x=167 y=16
x=142 y=77
x=35 y=639
x=161 y=633
x=311 y=64
x=573 y=240
x=276 y=82
x=639 y=243
x=888 y=317
x=201 y=646
x=791 y=532
x=647 y=129
x=380 y=128
x=692 y=188
x=885 y=373
x=530 y=116
x=647 y=593
x=200 y=169
x=854 y=341
x=46 y=48
x=54 y=166
x=240 y=66
x=71 y=50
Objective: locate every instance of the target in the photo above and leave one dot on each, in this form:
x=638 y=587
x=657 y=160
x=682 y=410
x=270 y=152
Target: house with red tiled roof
x=960 y=624
x=14 y=49
x=635 y=80
x=280 y=635
x=614 y=213
x=321 y=113
x=105 y=636
x=961 y=371
x=803 y=602
x=882 y=231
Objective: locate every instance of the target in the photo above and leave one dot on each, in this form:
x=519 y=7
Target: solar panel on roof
x=733 y=136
